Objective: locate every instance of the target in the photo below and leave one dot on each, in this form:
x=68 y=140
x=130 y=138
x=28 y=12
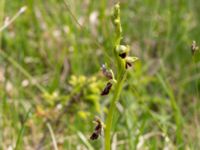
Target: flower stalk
x=115 y=81
x=120 y=58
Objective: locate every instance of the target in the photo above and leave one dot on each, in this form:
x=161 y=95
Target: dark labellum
x=94 y=136
x=106 y=89
x=97 y=131
x=123 y=55
x=128 y=65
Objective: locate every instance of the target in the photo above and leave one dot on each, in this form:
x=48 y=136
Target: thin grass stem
x=52 y=136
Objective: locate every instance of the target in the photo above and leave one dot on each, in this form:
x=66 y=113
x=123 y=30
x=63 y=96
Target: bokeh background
x=50 y=77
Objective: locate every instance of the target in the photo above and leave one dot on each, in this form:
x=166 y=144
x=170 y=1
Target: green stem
x=111 y=111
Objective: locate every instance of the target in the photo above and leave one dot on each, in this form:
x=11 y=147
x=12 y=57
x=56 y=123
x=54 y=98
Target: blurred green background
x=50 y=77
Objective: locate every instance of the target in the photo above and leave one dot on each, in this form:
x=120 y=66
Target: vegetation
x=52 y=79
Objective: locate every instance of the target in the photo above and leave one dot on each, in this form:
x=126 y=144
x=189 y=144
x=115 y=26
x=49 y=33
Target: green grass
x=50 y=64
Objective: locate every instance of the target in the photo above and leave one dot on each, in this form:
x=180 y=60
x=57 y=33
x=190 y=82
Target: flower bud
x=123 y=50
x=107 y=73
x=130 y=61
x=194 y=47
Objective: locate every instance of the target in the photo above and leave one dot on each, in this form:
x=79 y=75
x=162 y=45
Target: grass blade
x=85 y=141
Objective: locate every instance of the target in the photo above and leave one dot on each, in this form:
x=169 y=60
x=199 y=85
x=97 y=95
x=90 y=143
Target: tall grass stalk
x=2 y=2
x=195 y=50
x=176 y=110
